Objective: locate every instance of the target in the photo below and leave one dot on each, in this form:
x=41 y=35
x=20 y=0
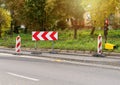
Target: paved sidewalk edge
x=65 y=52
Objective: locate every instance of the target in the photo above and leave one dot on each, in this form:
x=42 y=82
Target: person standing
x=106 y=24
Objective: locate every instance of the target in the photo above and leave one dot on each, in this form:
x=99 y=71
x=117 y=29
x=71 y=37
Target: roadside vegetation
x=84 y=42
x=57 y=15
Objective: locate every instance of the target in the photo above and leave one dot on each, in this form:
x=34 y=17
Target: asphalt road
x=16 y=70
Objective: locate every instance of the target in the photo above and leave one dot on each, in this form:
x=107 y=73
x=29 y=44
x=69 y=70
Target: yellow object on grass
x=109 y=46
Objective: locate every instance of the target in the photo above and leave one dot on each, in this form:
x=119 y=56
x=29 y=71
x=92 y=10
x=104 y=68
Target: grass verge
x=84 y=41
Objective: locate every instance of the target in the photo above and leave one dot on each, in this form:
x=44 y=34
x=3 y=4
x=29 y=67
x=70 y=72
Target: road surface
x=16 y=70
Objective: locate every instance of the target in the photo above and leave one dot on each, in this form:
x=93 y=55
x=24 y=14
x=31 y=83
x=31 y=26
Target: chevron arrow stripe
x=35 y=36
x=44 y=35
x=54 y=35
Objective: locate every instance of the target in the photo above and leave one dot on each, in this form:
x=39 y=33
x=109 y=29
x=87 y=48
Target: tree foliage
x=100 y=10
x=44 y=14
x=62 y=9
x=5 y=21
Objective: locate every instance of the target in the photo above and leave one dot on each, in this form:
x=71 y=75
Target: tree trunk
x=25 y=30
x=92 y=31
x=93 y=27
x=11 y=28
x=75 y=33
x=0 y=30
x=0 y=33
x=16 y=29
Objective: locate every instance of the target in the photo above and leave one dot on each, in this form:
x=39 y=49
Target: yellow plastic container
x=109 y=46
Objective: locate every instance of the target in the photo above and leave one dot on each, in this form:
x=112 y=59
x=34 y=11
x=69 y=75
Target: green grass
x=84 y=41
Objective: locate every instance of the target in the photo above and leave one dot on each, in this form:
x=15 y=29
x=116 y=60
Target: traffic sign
x=44 y=35
x=18 y=44
x=99 y=44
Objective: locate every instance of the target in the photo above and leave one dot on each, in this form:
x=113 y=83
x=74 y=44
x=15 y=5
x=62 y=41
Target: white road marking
x=42 y=58
x=21 y=76
x=6 y=54
x=67 y=61
x=94 y=65
x=75 y=62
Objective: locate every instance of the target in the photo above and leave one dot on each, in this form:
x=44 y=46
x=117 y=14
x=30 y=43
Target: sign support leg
x=35 y=52
x=35 y=45
x=53 y=51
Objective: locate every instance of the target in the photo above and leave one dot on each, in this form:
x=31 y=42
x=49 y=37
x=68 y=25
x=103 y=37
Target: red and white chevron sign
x=44 y=35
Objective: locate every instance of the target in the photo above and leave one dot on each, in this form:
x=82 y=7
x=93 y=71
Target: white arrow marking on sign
x=33 y=34
x=56 y=35
x=48 y=35
x=40 y=35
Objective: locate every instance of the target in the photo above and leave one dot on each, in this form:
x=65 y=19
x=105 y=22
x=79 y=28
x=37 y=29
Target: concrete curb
x=72 y=52
x=65 y=52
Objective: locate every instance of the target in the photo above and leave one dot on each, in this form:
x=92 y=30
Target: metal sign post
x=53 y=51
x=35 y=45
